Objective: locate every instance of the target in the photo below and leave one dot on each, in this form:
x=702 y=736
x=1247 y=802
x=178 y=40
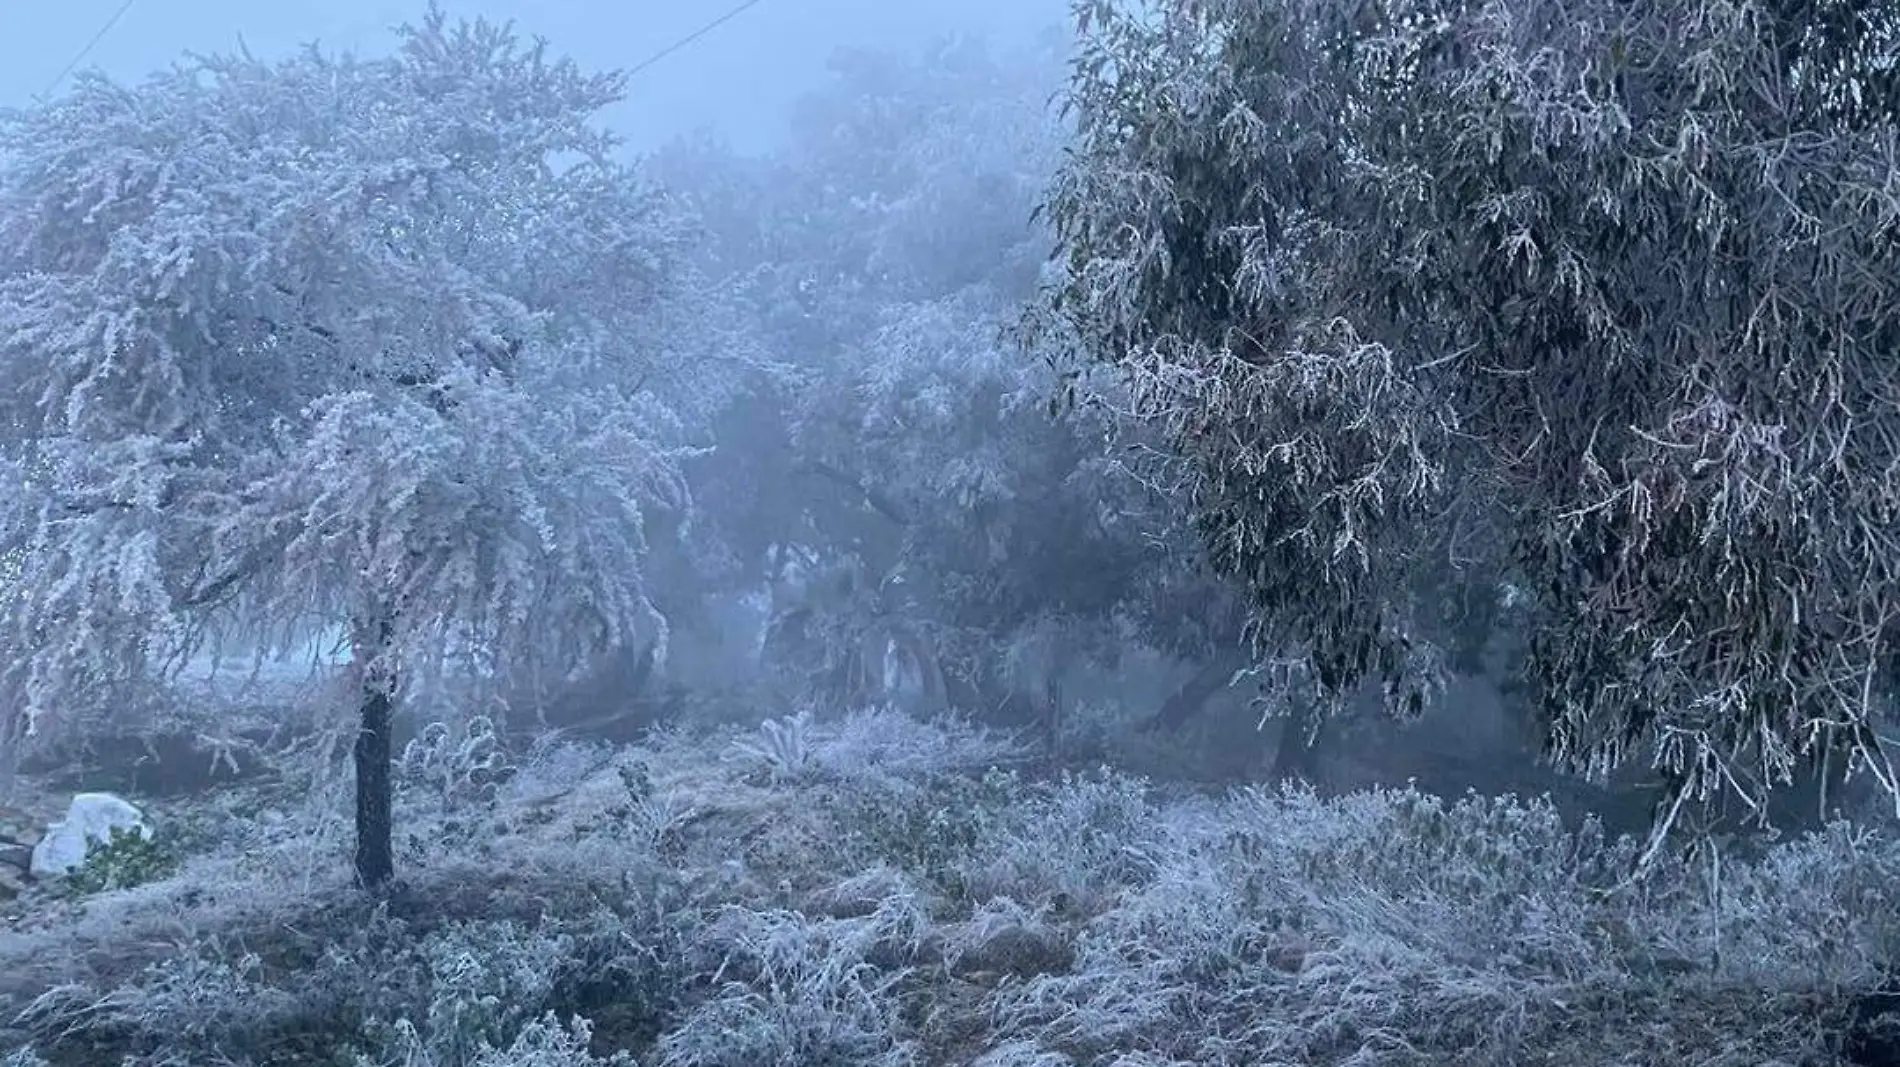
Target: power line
x=686 y=40
x=124 y=6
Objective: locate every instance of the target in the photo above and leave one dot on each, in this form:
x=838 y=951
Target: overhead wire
x=702 y=31
x=72 y=64
x=126 y=5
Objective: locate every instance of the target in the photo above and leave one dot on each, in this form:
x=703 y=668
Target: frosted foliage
x=1597 y=297
x=948 y=156
x=329 y=340
x=933 y=402
x=905 y=456
x=910 y=178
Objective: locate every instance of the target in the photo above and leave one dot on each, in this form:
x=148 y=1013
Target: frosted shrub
x=1481 y=880
x=486 y=980
x=454 y=767
x=191 y=999
x=554 y=767
x=1072 y=841
x=781 y=747
x=1004 y=936
x=471 y=992
x=1196 y=921
x=543 y=1042
x=884 y=741
x=788 y=990
x=876 y=742
x=1820 y=910
x=652 y=819
x=930 y=827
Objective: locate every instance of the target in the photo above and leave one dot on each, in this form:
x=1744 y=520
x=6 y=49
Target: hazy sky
x=737 y=79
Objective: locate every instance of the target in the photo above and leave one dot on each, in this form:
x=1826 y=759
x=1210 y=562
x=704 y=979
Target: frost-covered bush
x=1071 y=841
x=882 y=740
x=1390 y=927
x=1004 y=936
x=455 y=766
x=939 y=801
x=928 y=826
x=872 y=745
x=493 y=994
x=543 y=1042
x=1823 y=909
x=787 y=990
x=781 y=747
x=1484 y=881
x=191 y=1000
x=486 y=981
x=553 y=767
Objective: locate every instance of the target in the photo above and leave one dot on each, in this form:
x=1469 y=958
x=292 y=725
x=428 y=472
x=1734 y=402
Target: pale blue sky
x=738 y=79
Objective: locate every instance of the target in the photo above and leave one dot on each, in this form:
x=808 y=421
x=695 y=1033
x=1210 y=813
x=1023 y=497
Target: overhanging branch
x=876 y=500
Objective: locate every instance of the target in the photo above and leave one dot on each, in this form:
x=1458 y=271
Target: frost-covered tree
x=1600 y=298
x=376 y=343
x=925 y=517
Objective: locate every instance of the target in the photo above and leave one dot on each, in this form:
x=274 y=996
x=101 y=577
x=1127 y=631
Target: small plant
x=652 y=818
x=930 y=831
x=782 y=747
x=466 y=989
x=131 y=857
x=546 y=1042
x=637 y=779
x=1082 y=838
x=456 y=769
x=788 y=988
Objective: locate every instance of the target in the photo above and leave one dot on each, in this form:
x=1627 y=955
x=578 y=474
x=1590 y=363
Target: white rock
x=90 y=817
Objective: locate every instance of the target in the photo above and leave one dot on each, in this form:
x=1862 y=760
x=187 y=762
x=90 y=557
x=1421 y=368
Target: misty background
x=738 y=81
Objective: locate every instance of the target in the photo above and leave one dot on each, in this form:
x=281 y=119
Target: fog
x=738 y=80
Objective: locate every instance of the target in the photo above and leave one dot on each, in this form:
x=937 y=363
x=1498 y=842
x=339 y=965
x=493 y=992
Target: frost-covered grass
x=880 y=891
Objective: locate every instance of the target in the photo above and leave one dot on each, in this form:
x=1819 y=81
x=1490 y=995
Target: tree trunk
x=375 y=855
x=1194 y=694
x=1299 y=751
x=988 y=699
x=1054 y=701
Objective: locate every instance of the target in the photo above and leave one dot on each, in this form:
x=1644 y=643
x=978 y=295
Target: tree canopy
x=1600 y=299
x=900 y=474
x=380 y=344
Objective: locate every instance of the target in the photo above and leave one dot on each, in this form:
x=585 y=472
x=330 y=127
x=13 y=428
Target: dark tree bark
x=987 y=699
x=1300 y=735
x=1054 y=701
x=375 y=854
x=1194 y=694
